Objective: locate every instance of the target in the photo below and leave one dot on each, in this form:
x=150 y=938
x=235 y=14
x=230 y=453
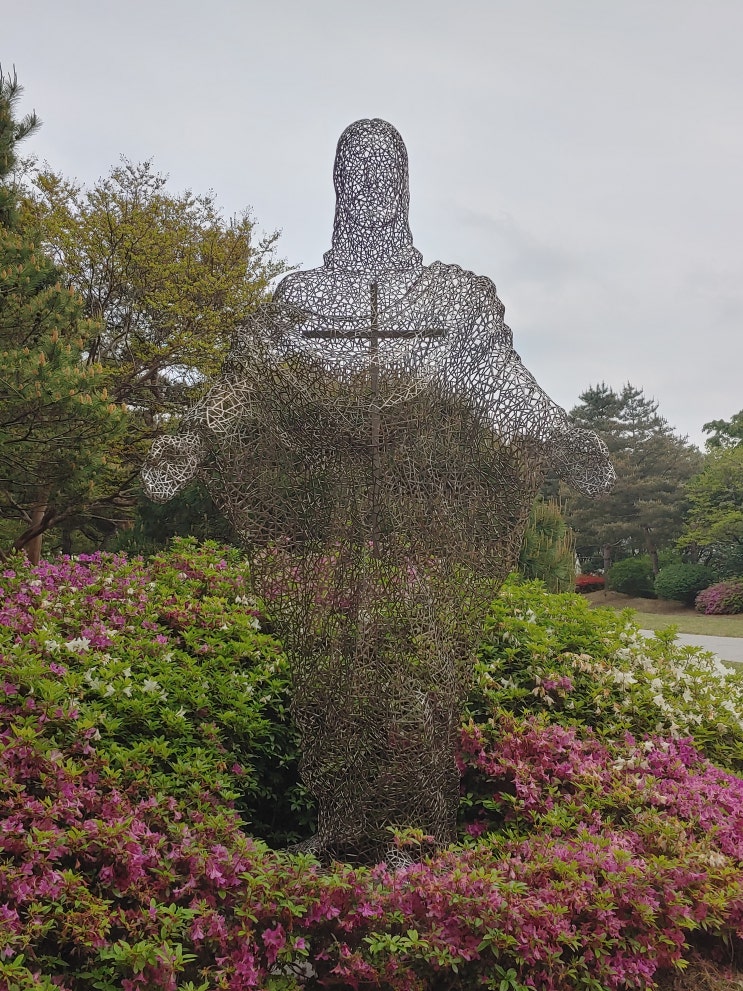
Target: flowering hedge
x=107 y=887
x=167 y=665
x=589 y=583
x=723 y=599
x=590 y=857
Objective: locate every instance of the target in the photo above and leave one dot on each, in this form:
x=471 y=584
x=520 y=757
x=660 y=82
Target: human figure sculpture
x=377 y=444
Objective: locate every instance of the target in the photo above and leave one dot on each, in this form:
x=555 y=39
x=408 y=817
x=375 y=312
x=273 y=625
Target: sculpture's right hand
x=173 y=461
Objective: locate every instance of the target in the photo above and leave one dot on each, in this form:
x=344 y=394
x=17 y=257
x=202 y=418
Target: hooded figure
x=377 y=444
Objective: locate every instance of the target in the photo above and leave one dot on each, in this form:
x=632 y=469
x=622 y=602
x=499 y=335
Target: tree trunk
x=33 y=546
x=606 y=550
x=42 y=517
x=651 y=548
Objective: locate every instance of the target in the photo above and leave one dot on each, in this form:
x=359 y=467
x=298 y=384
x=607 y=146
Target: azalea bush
x=587 y=865
x=721 y=599
x=591 y=668
x=589 y=583
x=167 y=664
x=145 y=750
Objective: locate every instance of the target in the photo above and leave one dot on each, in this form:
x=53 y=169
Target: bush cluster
x=724 y=598
x=167 y=662
x=597 y=841
x=682 y=582
x=633 y=576
x=589 y=583
x=553 y=656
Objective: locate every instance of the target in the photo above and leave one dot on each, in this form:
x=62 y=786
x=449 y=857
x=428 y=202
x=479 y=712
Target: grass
x=658 y=614
x=693 y=622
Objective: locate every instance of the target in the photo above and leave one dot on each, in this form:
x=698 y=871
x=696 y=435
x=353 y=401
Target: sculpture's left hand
x=581 y=459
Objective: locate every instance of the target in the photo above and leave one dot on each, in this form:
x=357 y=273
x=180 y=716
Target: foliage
x=593 y=850
x=169 y=277
x=633 y=576
x=714 y=524
x=166 y=663
x=548 y=549
x=12 y=132
x=190 y=513
x=554 y=656
x=57 y=423
x=644 y=511
x=108 y=887
x=721 y=599
x=725 y=433
x=682 y=582
x=589 y=583
x=166 y=280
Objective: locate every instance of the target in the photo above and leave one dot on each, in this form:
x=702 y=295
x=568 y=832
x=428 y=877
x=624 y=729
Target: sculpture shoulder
x=472 y=297
x=299 y=288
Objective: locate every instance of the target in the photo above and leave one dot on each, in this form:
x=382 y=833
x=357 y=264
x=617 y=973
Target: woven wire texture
x=377 y=444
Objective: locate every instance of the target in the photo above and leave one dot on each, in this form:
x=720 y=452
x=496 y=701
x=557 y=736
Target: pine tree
x=644 y=512
x=56 y=422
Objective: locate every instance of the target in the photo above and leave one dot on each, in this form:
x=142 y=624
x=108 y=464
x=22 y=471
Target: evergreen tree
x=56 y=422
x=548 y=550
x=644 y=512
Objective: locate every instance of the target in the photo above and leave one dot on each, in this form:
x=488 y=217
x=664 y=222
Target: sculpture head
x=371 y=232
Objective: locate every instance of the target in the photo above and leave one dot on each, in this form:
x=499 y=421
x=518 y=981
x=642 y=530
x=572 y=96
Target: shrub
x=555 y=657
x=587 y=864
x=592 y=851
x=167 y=663
x=722 y=599
x=682 y=582
x=589 y=583
x=548 y=550
x=632 y=576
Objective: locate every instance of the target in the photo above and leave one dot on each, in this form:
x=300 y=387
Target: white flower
x=127 y=673
x=150 y=685
x=623 y=677
x=127 y=690
x=109 y=690
x=255 y=623
x=53 y=646
x=78 y=645
x=181 y=713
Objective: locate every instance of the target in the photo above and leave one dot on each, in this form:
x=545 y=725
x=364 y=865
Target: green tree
x=57 y=424
x=645 y=510
x=725 y=433
x=713 y=530
x=166 y=274
x=548 y=550
x=166 y=280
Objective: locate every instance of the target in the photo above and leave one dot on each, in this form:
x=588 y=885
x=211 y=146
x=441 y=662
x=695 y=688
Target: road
x=726 y=648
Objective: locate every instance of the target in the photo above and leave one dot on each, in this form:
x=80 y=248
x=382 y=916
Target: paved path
x=726 y=648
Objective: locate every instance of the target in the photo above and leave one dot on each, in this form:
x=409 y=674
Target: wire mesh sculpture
x=377 y=444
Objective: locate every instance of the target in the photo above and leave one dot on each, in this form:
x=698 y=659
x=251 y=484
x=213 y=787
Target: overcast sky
x=587 y=155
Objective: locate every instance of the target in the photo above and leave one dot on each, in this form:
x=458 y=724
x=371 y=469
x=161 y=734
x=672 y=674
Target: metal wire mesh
x=377 y=443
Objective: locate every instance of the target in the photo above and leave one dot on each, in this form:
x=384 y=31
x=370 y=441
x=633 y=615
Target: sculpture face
x=370 y=177
x=370 y=231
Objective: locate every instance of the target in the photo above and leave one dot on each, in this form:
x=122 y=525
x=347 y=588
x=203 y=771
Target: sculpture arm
x=521 y=410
